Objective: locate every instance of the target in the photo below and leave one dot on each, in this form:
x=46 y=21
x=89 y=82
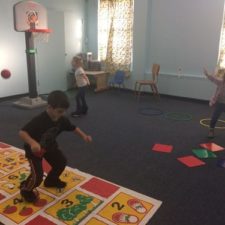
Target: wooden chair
x=152 y=83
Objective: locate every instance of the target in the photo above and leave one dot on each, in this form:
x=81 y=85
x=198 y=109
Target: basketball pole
x=31 y=65
x=33 y=100
x=27 y=17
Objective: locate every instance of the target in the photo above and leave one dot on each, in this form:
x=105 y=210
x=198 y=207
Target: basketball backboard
x=29 y=15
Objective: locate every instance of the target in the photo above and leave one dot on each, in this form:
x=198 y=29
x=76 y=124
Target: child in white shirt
x=218 y=99
x=82 y=81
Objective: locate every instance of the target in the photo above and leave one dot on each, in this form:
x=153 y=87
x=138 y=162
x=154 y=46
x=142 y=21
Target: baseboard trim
x=12 y=97
x=171 y=96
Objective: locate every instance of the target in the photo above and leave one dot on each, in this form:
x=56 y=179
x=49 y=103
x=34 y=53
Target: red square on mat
x=1 y=196
x=100 y=187
x=3 y=145
x=191 y=161
x=212 y=147
x=162 y=148
x=46 y=166
x=40 y=220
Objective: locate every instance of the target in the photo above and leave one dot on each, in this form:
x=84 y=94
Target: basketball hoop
x=40 y=35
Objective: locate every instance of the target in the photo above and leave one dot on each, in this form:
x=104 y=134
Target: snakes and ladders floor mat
x=85 y=200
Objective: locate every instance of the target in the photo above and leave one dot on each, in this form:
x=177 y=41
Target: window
x=115 y=34
x=221 y=60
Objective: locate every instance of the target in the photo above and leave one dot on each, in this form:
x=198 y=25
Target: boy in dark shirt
x=39 y=136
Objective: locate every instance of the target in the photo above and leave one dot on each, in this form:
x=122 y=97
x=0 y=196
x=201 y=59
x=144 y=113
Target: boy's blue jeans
x=219 y=108
x=80 y=100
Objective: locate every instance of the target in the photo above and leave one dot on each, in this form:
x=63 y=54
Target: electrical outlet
x=179 y=71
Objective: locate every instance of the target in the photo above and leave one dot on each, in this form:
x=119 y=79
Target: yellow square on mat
x=11 y=182
x=94 y=221
x=7 y=152
x=12 y=162
x=126 y=208
x=17 y=210
x=74 y=207
x=70 y=177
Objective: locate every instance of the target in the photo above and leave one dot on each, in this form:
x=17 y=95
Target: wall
x=75 y=23
x=185 y=35
x=50 y=57
x=92 y=27
x=52 y=70
x=139 y=41
x=176 y=34
x=12 y=53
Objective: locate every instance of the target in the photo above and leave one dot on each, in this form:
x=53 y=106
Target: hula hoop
x=178 y=116
x=202 y=122
x=150 y=111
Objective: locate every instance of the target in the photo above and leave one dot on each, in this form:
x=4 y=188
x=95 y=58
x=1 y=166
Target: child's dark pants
x=58 y=163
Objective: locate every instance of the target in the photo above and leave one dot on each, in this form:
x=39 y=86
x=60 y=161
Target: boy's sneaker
x=29 y=196
x=211 y=133
x=75 y=114
x=56 y=184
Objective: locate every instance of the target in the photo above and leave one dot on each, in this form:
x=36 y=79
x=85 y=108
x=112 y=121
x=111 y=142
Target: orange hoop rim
x=39 y=30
